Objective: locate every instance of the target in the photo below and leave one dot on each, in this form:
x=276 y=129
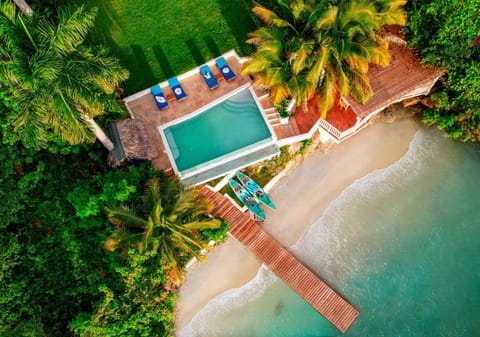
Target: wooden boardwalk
x=326 y=301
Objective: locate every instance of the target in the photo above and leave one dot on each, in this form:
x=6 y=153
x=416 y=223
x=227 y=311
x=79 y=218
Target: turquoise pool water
x=402 y=244
x=229 y=126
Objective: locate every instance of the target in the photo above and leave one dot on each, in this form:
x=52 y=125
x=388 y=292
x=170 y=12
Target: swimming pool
x=227 y=130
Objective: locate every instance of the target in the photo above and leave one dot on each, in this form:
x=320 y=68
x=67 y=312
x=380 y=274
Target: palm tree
x=51 y=82
x=173 y=233
x=24 y=7
x=321 y=47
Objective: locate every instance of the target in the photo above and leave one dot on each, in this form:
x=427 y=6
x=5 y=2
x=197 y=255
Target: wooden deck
x=326 y=301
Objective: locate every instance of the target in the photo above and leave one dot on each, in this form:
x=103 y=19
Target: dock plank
x=287 y=267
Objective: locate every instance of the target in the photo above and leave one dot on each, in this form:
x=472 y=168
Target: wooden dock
x=288 y=268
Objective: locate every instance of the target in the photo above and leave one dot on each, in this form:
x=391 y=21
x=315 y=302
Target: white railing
x=330 y=128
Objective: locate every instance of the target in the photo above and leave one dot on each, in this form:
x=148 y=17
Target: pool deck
x=142 y=106
x=198 y=95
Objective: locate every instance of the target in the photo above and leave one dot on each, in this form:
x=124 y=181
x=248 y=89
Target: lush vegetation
x=62 y=208
x=56 y=274
x=321 y=47
x=172 y=232
x=156 y=40
x=447 y=34
x=51 y=84
x=57 y=278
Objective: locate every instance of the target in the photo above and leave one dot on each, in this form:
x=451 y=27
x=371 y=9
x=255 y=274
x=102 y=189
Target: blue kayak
x=246 y=198
x=255 y=190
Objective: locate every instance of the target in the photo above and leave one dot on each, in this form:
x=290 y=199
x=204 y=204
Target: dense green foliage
x=55 y=270
x=51 y=83
x=57 y=278
x=141 y=307
x=156 y=40
x=54 y=259
x=447 y=34
x=172 y=232
x=321 y=47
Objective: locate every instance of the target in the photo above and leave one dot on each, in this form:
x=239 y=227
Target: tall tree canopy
x=172 y=232
x=447 y=34
x=322 y=47
x=51 y=84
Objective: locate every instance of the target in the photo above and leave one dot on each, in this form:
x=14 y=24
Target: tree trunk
x=292 y=105
x=24 y=7
x=101 y=136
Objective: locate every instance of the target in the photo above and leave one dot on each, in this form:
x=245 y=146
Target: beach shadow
x=195 y=51
x=163 y=61
x=238 y=16
x=211 y=46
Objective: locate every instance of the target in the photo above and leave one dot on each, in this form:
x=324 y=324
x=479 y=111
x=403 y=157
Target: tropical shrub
x=447 y=34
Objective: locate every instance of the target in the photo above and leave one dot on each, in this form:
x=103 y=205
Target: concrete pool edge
x=235 y=155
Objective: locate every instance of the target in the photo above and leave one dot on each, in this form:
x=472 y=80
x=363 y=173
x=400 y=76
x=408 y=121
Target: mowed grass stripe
x=156 y=39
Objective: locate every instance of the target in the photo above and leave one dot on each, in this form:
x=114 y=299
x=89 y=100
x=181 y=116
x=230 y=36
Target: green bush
x=218 y=235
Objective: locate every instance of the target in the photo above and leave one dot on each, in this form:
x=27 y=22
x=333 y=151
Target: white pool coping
x=228 y=156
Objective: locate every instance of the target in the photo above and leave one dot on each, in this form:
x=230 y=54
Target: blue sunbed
x=225 y=69
x=177 y=89
x=208 y=76
x=159 y=96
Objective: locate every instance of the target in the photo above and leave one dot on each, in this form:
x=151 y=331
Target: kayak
x=255 y=190
x=247 y=199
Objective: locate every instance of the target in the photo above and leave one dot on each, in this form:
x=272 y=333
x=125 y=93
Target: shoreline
x=303 y=195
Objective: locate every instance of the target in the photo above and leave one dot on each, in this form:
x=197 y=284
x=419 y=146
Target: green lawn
x=156 y=39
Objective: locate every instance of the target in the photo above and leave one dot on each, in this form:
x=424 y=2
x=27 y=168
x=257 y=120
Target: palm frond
x=255 y=65
x=125 y=216
x=342 y=78
x=360 y=85
x=318 y=66
x=391 y=12
x=301 y=57
x=270 y=17
x=74 y=23
x=8 y=10
x=327 y=93
x=279 y=93
x=360 y=15
x=198 y=225
x=151 y=195
x=327 y=19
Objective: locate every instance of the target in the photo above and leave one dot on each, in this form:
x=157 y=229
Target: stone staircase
x=268 y=109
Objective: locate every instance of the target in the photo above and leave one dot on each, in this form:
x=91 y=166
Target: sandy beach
x=301 y=197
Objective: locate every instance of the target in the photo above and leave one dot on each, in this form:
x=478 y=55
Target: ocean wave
x=229 y=300
x=319 y=245
x=325 y=248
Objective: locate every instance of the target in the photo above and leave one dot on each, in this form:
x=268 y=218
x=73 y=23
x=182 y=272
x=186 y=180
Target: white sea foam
x=325 y=245
x=319 y=246
x=229 y=300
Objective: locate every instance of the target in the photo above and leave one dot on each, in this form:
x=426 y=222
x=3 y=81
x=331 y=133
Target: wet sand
x=301 y=197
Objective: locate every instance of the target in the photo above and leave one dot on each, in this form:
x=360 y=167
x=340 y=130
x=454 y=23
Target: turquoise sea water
x=402 y=244
x=226 y=127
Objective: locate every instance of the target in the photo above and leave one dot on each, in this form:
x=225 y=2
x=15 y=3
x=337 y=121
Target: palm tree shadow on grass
x=163 y=61
x=211 y=46
x=238 y=16
x=195 y=51
x=141 y=74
